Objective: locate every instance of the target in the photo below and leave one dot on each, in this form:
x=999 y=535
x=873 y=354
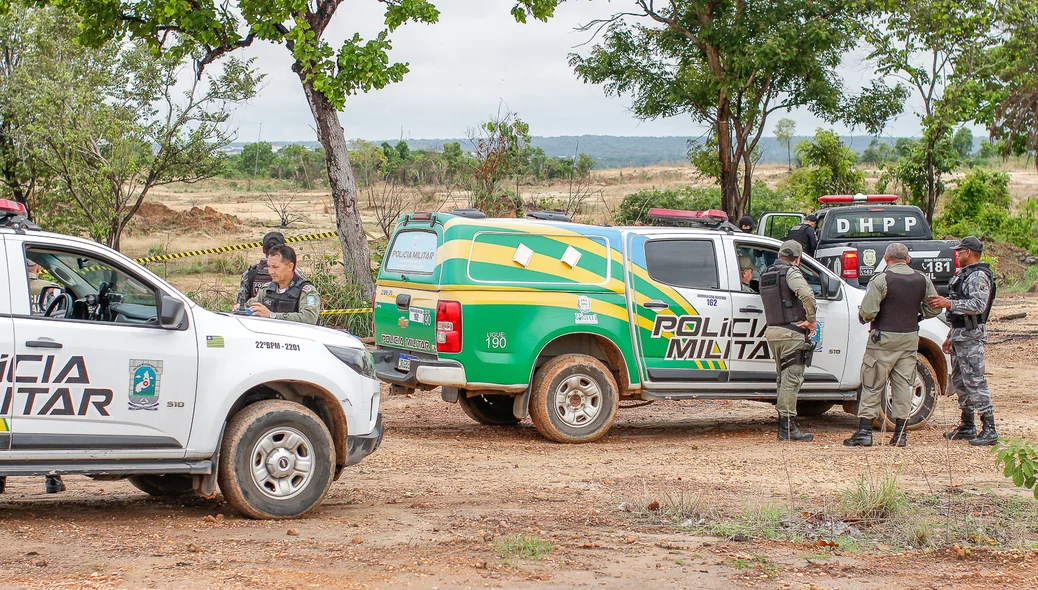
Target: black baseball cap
x=274 y=238
x=970 y=243
x=811 y=217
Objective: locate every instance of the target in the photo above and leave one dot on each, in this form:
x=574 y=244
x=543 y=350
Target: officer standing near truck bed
x=789 y=307
x=893 y=302
x=971 y=294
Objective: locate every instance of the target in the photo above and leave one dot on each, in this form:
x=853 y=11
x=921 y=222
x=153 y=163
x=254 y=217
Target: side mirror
x=47 y=294
x=830 y=287
x=171 y=312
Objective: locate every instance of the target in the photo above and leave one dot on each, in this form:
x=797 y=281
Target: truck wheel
x=574 y=399
x=925 y=392
x=276 y=460
x=491 y=409
x=812 y=408
x=163 y=485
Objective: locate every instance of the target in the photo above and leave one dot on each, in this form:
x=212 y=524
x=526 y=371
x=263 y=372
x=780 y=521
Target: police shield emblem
x=145 y=377
x=869 y=257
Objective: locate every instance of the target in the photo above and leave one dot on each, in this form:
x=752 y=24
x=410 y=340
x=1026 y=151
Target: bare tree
x=283 y=205
x=388 y=202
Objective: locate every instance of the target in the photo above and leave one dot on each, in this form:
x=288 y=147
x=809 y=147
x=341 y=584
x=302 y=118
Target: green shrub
x=635 y=207
x=1019 y=460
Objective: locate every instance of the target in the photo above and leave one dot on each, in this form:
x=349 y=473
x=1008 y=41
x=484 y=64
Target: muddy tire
x=574 y=399
x=812 y=408
x=163 y=485
x=491 y=409
x=276 y=461
x=925 y=392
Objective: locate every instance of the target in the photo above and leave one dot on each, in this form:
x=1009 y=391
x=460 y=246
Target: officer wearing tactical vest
x=971 y=294
x=805 y=235
x=893 y=302
x=257 y=276
x=288 y=296
x=789 y=308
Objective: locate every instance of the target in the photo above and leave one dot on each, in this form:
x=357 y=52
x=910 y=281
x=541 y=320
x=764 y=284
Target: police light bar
x=9 y=206
x=858 y=198
x=715 y=215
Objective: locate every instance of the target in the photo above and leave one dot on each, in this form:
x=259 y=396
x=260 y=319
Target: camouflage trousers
x=877 y=368
x=967 y=378
x=783 y=342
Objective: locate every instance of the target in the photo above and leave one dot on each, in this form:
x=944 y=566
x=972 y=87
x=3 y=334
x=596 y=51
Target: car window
x=763 y=257
x=412 y=251
x=875 y=224
x=83 y=276
x=682 y=263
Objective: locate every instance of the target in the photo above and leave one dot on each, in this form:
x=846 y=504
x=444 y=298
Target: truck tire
x=276 y=460
x=574 y=399
x=163 y=485
x=491 y=409
x=812 y=408
x=925 y=392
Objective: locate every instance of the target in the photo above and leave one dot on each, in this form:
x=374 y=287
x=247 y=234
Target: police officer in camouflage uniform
x=256 y=276
x=746 y=274
x=789 y=307
x=893 y=302
x=970 y=295
x=288 y=296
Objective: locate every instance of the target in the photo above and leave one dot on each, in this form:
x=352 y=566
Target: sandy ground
x=431 y=508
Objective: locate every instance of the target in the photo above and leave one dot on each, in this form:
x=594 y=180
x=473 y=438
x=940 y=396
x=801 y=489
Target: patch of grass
x=816 y=556
x=1024 y=282
x=875 y=498
x=524 y=547
x=678 y=507
x=761 y=562
x=757 y=520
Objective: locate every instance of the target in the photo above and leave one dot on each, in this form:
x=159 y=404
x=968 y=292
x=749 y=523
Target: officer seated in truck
x=288 y=296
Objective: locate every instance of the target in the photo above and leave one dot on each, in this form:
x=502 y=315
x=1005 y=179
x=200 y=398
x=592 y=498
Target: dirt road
x=439 y=504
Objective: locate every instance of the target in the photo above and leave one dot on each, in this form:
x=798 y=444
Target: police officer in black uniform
x=746 y=224
x=805 y=234
x=256 y=276
x=288 y=296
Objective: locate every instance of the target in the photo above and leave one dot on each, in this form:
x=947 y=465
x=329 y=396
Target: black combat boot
x=788 y=430
x=54 y=484
x=988 y=436
x=966 y=430
x=862 y=437
x=900 y=438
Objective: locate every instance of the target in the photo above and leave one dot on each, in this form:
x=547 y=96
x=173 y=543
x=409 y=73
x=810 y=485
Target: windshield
x=875 y=224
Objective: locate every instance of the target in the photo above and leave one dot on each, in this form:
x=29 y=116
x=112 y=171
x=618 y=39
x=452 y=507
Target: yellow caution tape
x=344 y=311
x=222 y=249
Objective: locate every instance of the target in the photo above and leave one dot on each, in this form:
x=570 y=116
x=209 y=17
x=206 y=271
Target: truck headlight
x=357 y=359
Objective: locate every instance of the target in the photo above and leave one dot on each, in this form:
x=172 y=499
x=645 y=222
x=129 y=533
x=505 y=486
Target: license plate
x=404 y=362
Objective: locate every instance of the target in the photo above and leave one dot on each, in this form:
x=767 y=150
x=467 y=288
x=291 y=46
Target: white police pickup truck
x=112 y=373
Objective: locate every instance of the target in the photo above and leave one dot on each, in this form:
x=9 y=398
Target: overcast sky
x=463 y=67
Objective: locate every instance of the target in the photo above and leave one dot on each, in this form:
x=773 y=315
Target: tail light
x=849 y=261
x=448 y=326
x=955 y=257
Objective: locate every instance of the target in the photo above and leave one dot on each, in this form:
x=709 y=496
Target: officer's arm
x=978 y=289
x=812 y=240
x=257 y=299
x=874 y=294
x=309 y=309
x=798 y=284
x=243 y=290
x=924 y=308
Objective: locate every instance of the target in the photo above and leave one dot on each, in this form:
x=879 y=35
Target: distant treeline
x=609 y=151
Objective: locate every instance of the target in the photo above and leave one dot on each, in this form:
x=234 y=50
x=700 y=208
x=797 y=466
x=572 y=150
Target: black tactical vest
x=781 y=305
x=956 y=292
x=899 y=311
x=287 y=302
x=260 y=277
x=799 y=233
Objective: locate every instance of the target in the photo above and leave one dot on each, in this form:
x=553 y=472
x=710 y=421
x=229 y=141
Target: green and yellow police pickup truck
x=563 y=321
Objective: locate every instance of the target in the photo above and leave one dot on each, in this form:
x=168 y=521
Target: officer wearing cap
x=256 y=276
x=746 y=224
x=789 y=308
x=804 y=233
x=36 y=285
x=746 y=274
x=970 y=295
x=893 y=302
x=288 y=296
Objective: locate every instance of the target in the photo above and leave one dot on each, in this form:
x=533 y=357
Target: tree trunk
x=789 y=156
x=747 y=185
x=352 y=239
x=729 y=166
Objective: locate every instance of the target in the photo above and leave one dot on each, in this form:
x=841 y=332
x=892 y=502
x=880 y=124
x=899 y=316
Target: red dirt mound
x=153 y=217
